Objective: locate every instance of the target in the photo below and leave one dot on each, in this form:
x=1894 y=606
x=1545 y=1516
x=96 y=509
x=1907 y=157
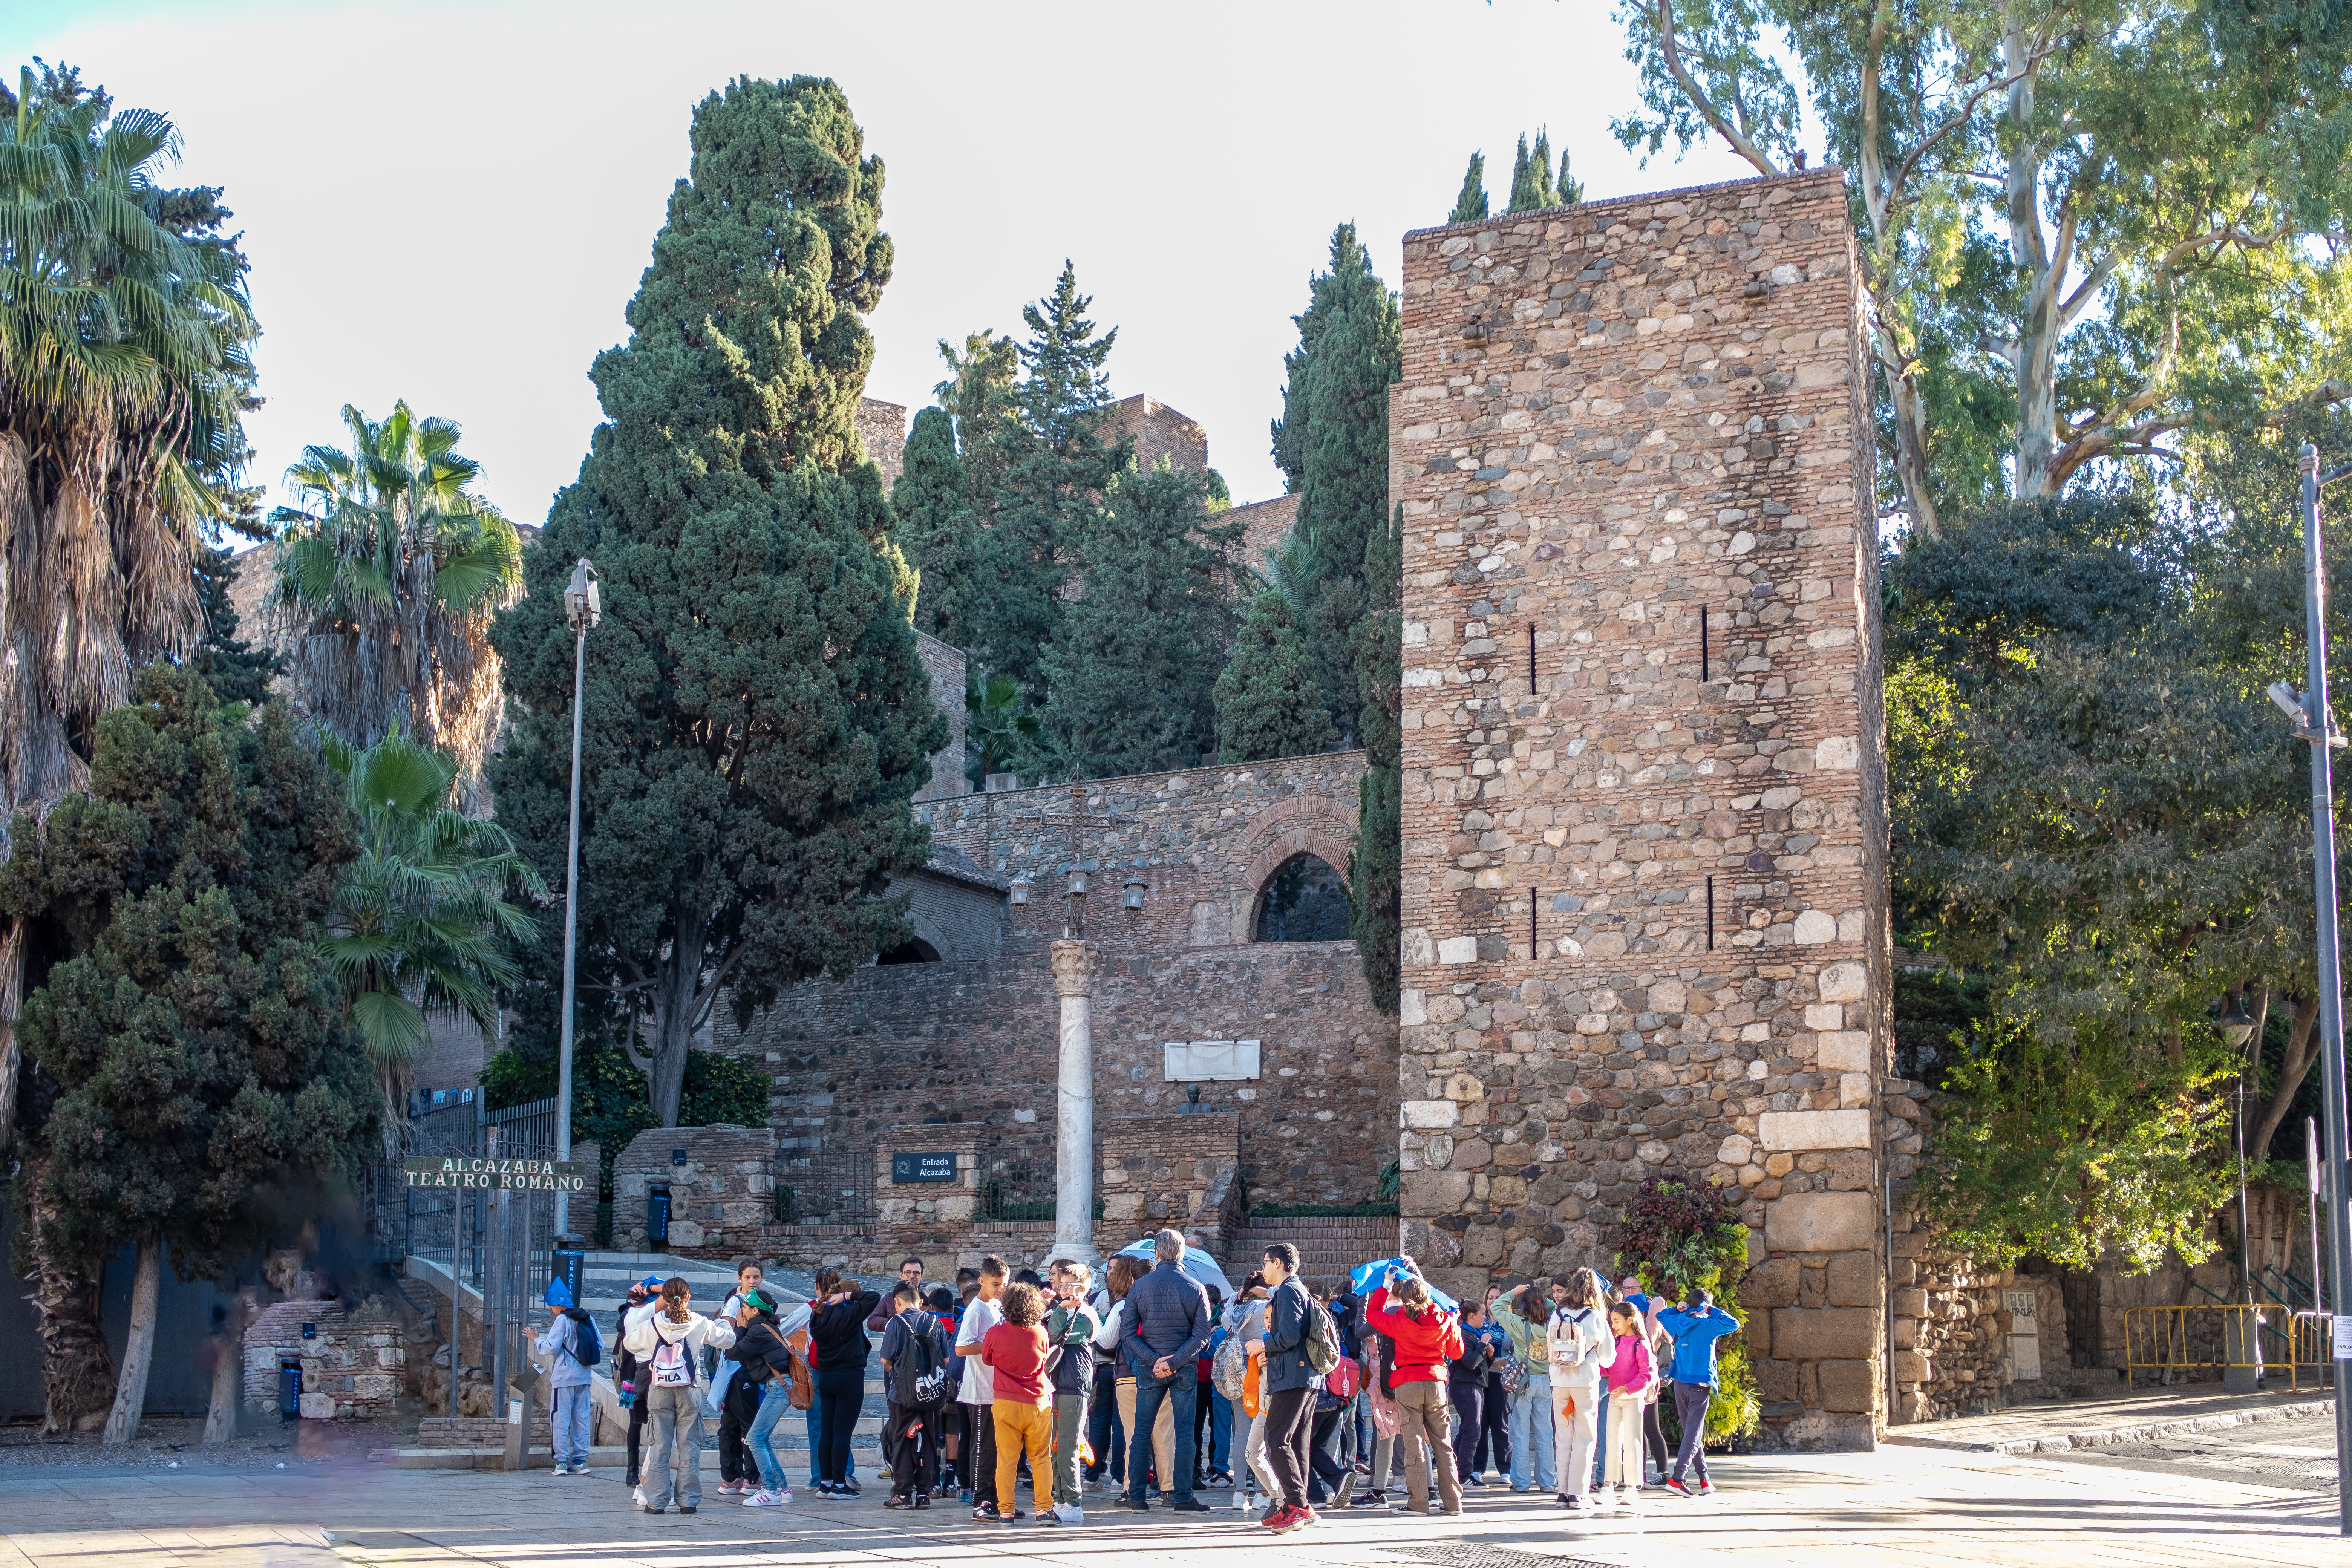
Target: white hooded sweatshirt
x=650 y=1326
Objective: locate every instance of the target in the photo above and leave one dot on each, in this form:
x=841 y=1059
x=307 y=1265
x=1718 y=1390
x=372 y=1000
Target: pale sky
x=453 y=202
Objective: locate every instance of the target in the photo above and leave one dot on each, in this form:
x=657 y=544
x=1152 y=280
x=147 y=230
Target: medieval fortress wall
x=1645 y=922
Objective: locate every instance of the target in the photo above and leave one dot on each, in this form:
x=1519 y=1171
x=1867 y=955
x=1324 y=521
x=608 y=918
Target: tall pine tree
x=1267 y=703
x=1374 y=872
x=1054 y=472
x=1331 y=443
x=757 y=717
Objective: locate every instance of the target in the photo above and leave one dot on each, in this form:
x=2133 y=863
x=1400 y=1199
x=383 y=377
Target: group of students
x=1157 y=1384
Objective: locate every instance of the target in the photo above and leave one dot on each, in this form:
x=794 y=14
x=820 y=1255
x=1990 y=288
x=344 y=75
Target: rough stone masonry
x=1645 y=922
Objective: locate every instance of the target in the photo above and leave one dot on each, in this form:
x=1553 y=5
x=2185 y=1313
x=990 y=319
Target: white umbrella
x=1199 y=1267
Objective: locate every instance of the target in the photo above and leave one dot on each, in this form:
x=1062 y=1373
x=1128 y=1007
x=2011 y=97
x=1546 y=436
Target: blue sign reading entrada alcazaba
x=923 y=1167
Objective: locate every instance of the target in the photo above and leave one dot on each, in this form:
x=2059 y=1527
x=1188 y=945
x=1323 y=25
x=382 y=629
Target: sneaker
x=1346 y=1490
x=923 y=1499
x=1475 y=1479
x=1675 y=1485
x=1241 y=1502
x=1188 y=1505
x=763 y=1499
x=1705 y=1489
x=1137 y=1503
x=1363 y=1467
x=651 y=1508
x=1010 y=1518
x=847 y=1488
x=687 y=1507
x=963 y=1495
x=897 y=1499
x=985 y=1514
x=1069 y=1513
x=1570 y=1501
x=1371 y=1500
x=1307 y=1515
x=637 y=1496
x=1280 y=1519
x=1049 y=1516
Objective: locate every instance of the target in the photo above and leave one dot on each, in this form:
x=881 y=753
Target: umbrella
x=1364 y=1276
x=1199 y=1267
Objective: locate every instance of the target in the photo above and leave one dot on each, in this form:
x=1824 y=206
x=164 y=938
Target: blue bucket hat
x=557 y=1295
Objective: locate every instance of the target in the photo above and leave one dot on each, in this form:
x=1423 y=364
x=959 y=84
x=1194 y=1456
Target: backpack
x=803 y=1393
x=924 y=1382
x=586 y=1348
x=1514 y=1374
x=673 y=1368
x=1228 y=1366
x=1321 y=1342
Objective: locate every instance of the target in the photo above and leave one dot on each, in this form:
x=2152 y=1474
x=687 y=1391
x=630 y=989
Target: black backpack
x=924 y=1382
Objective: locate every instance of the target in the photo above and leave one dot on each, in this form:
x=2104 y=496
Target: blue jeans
x=1600 y=1447
x=1531 y=1436
x=775 y=1398
x=1184 y=1390
x=1221 y=1429
x=569 y=1425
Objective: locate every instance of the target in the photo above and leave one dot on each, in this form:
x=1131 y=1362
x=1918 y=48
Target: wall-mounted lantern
x=1077 y=887
x=1018 y=894
x=1134 y=892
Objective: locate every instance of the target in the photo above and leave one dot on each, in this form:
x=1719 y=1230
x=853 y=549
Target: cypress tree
x=933 y=500
x=1567 y=190
x=1374 y=871
x=233 y=668
x=1331 y=443
x=756 y=718
x=1267 y=703
x=1054 y=473
x=1133 y=667
x=1471 y=204
x=1531 y=187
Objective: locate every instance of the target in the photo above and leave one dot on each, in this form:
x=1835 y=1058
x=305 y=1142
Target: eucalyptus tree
x=389 y=572
x=2084 y=226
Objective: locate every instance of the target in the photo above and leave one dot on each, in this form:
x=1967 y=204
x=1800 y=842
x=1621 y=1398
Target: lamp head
x=2235 y=1023
x=1132 y=892
x=583 y=605
x=2289 y=700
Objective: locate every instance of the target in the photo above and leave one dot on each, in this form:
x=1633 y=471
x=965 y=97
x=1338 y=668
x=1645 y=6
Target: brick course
x=1628 y=432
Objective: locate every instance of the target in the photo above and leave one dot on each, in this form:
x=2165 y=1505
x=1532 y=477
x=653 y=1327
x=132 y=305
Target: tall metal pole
x=2319 y=728
x=582 y=607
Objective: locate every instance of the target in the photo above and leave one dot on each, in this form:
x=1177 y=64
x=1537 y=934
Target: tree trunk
x=77 y=1372
x=228 y=1370
x=677 y=982
x=2302 y=1051
x=138 y=1346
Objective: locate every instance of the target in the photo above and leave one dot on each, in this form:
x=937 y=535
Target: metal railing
x=2168 y=1345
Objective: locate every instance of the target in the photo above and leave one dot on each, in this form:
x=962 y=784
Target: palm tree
x=389 y=573
x=419 y=914
x=123 y=373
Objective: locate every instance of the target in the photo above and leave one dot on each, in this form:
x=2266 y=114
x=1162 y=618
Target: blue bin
x=290 y=1389
x=658 y=1216
x=570 y=1264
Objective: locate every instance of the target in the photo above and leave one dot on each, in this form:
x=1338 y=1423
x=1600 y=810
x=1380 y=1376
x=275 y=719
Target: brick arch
x=1306 y=838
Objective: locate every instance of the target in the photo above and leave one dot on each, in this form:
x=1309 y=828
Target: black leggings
x=839 y=1395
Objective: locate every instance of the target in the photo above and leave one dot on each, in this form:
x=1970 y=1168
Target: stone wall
x=945 y=665
x=1266 y=528
x=883 y=427
x=1157 y=431
x=1645 y=926
x=723 y=1191
x=973 y=1044
x=1177 y=1171
x=353 y=1365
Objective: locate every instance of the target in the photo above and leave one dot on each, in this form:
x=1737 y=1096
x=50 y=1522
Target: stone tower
x=1644 y=921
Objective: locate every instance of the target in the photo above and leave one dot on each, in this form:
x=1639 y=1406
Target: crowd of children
x=1157 y=1387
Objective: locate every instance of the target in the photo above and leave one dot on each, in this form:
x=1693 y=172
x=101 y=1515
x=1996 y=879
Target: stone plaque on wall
x=1209 y=1061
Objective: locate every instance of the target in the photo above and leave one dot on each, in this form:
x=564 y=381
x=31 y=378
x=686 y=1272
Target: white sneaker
x=1070 y=1513
x=637 y=1496
x=1241 y=1502
x=763 y=1498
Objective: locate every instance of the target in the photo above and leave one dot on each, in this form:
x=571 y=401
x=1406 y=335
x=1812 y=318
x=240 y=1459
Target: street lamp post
x=2316 y=726
x=583 y=608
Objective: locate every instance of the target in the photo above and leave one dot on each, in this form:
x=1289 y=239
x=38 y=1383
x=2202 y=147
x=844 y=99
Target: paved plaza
x=2256 y=1493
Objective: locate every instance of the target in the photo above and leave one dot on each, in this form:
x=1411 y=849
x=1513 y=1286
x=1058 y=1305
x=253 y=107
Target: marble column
x=1075 y=965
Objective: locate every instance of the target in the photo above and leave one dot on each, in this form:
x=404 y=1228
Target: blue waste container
x=290 y=1388
x=569 y=1264
x=658 y=1216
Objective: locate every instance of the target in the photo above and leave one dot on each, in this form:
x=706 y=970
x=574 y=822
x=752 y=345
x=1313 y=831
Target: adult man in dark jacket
x=1168 y=1326
x=1286 y=1388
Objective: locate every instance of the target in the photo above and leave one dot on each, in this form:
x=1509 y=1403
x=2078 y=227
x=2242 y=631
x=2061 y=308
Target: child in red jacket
x=1427 y=1338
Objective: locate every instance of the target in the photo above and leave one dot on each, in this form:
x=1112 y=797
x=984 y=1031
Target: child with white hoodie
x=668 y=1339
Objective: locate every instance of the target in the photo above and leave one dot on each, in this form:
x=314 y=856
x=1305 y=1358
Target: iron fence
x=825 y=1186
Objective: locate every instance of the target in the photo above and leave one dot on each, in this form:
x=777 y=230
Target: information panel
x=923 y=1167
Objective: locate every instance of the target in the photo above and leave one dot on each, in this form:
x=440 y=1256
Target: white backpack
x=673 y=1368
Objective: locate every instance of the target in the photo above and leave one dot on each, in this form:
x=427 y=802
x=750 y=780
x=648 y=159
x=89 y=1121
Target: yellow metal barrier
x=2171 y=1342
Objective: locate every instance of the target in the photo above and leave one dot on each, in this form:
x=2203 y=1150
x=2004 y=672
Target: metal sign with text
x=923 y=1167
x=490 y=1174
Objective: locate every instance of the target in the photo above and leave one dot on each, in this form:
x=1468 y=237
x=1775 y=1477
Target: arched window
x=913 y=950
x=1304 y=901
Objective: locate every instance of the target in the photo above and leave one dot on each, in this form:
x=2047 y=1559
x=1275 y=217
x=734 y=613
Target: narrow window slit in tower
x=1710 y=914
x=1532 y=895
x=1704 y=673
x=1531 y=663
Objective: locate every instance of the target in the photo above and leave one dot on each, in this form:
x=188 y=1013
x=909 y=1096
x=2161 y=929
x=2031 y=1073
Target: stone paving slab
x=2059 y=1424
x=1899 y=1506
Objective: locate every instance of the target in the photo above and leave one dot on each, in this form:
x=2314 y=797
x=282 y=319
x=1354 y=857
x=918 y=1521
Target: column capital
x=1075 y=967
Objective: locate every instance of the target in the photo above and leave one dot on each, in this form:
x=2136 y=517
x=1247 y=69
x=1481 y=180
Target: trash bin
x=289 y=1387
x=568 y=1264
x=2241 y=1352
x=658 y=1217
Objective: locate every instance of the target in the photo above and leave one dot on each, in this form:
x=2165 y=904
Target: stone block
x=1914 y=1366
x=1428 y=1114
x=317 y=1406
x=1844 y=982
x=1772 y=1283
x=685 y=1233
x=1911 y=1303
x=1776 y=1380
x=1801 y=1333
x=1854 y=1280
x=1435 y=1192
x=1812 y=1130
x=1848 y=1385
x=1831 y=1432
x=1844 y=1051
x=1820 y=1222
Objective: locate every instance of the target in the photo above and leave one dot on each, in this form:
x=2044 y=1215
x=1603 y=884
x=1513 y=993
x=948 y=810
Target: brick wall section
x=353 y=1369
x=883 y=427
x=1329 y=1246
x=1613 y=418
x=1266 y=528
x=945 y=665
x=957 y=919
x=726 y=1188
x=1176 y=1172
x=480 y=1432
x=1157 y=431
x=974 y=1044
